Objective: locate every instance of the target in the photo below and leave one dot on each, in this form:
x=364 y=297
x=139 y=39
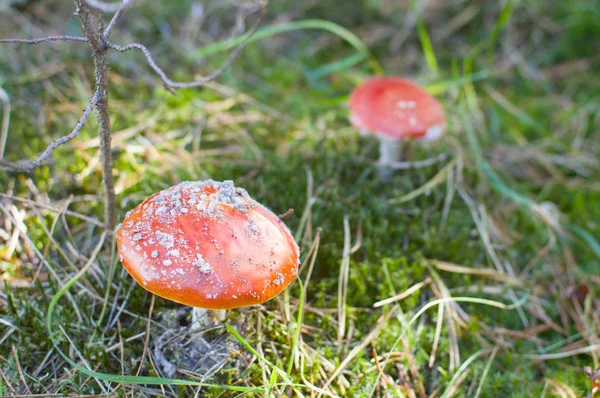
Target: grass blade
x=113 y=377
x=315 y=24
x=430 y=57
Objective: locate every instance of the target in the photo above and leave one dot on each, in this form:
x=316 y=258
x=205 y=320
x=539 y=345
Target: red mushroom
x=395 y=109
x=209 y=245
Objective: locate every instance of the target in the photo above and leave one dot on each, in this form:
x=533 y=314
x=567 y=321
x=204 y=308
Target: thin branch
x=109 y=7
x=200 y=82
x=44 y=39
x=87 y=24
x=100 y=49
x=30 y=165
x=112 y=23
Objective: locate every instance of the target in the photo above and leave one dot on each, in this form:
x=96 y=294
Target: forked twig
x=97 y=37
x=200 y=82
x=30 y=165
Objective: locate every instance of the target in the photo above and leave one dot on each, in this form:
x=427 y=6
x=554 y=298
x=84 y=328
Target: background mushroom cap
x=396 y=108
x=208 y=244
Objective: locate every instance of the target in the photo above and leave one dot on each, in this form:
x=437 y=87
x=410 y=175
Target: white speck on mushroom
x=406 y=104
x=202 y=264
x=161 y=210
x=154 y=253
x=138 y=248
x=228 y=194
x=279 y=280
x=164 y=239
x=251 y=229
x=137 y=237
x=174 y=253
x=167 y=263
x=213 y=210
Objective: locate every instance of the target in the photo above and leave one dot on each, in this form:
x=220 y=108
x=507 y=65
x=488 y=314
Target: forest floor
x=474 y=273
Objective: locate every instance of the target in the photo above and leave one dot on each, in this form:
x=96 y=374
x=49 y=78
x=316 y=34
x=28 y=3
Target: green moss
x=304 y=135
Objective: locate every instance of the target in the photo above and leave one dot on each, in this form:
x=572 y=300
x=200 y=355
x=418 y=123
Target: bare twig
x=286 y=214
x=44 y=39
x=112 y=23
x=97 y=37
x=109 y=7
x=30 y=165
x=200 y=82
x=100 y=56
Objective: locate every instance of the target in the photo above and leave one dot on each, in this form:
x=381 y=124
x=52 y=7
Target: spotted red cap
x=396 y=108
x=208 y=244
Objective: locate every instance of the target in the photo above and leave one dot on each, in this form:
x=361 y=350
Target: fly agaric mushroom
x=209 y=245
x=395 y=109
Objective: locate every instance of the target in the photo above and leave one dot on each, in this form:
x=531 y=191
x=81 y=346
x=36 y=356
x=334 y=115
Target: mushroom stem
x=202 y=317
x=389 y=152
x=219 y=315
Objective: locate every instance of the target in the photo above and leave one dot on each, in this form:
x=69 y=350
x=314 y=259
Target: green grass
x=491 y=239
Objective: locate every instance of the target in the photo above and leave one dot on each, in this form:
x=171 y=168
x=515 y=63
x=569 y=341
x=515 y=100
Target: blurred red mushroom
x=209 y=245
x=395 y=109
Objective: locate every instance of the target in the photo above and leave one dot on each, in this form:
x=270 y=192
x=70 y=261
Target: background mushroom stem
x=202 y=317
x=389 y=152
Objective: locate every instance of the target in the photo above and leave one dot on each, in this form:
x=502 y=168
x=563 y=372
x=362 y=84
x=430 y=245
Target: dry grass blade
x=413 y=289
x=479 y=216
x=438 y=333
x=343 y=284
x=561 y=389
x=479 y=271
x=440 y=177
x=565 y=354
x=441 y=290
x=311 y=259
x=5 y=120
x=32 y=203
x=486 y=371
x=22 y=232
x=364 y=343
x=19 y=369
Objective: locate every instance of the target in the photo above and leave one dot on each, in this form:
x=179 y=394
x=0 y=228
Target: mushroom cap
x=207 y=244
x=396 y=108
